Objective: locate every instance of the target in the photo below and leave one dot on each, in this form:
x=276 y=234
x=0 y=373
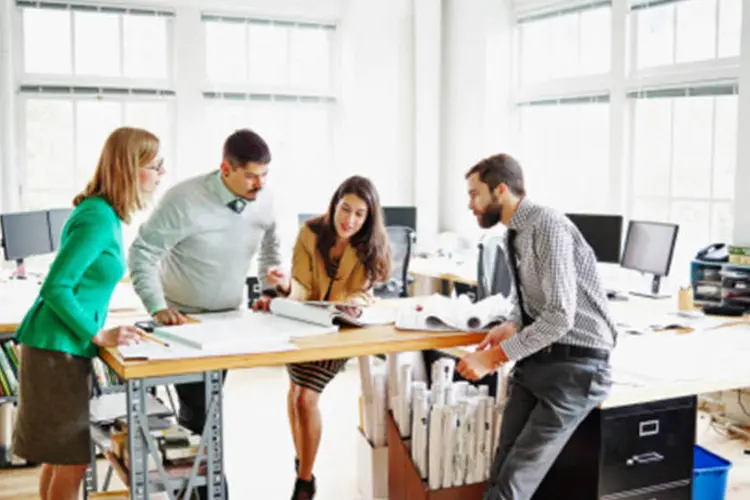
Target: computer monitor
x=25 y=234
x=56 y=219
x=603 y=233
x=302 y=218
x=649 y=247
x=401 y=216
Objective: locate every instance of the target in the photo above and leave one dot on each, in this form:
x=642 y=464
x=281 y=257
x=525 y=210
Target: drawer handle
x=648 y=428
x=645 y=458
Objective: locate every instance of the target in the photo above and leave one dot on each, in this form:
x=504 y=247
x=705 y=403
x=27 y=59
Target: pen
x=153 y=339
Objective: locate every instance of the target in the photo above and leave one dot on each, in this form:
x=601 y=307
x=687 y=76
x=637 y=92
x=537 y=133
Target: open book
x=333 y=313
x=441 y=313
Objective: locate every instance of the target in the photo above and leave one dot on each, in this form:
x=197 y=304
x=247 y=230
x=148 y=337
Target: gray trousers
x=547 y=400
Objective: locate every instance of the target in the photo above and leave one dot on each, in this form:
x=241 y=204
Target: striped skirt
x=315 y=375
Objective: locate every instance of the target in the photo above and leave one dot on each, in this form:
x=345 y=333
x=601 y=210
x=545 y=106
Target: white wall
x=476 y=99
x=376 y=137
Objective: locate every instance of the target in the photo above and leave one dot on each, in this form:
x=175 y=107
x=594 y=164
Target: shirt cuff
x=154 y=306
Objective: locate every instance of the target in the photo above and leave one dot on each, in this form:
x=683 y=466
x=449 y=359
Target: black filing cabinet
x=635 y=452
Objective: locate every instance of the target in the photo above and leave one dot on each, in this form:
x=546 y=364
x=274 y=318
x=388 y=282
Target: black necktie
x=525 y=318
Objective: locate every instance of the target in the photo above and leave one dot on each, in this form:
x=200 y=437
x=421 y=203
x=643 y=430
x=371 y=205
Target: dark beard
x=491 y=215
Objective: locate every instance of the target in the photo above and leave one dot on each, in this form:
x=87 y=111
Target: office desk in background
x=441 y=275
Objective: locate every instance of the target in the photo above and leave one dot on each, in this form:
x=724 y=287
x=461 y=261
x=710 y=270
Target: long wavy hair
x=370 y=242
x=116 y=177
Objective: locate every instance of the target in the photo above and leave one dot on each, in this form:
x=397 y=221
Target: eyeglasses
x=157 y=167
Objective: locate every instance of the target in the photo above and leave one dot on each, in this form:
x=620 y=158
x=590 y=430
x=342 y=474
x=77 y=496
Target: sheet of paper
x=242 y=332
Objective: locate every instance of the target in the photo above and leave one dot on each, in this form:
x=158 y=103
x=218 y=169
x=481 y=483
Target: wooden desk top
x=349 y=342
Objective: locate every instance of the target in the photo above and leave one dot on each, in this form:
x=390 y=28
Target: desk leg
x=89 y=480
x=138 y=467
x=215 y=451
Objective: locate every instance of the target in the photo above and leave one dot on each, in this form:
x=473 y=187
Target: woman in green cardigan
x=63 y=329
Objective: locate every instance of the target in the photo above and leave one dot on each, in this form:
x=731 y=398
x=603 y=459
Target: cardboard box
x=372 y=469
x=404 y=481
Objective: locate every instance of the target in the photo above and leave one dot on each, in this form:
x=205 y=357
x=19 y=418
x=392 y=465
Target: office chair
x=401 y=239
x=493 y=272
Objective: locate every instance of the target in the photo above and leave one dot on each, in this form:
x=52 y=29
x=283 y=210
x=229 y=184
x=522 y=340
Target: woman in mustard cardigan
x=63 y=329
x=338 y=257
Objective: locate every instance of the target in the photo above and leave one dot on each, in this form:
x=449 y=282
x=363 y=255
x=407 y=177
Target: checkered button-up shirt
x=560 y=285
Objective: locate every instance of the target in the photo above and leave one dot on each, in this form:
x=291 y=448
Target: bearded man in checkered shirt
x=559 y=334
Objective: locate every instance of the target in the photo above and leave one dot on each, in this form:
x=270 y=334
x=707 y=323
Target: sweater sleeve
x=160 y=233
x=89 y=235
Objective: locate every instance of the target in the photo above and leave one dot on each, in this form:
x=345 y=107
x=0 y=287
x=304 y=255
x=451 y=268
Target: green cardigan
x=74 y=299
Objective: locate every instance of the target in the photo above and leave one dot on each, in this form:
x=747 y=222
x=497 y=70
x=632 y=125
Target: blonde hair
x=116 y=178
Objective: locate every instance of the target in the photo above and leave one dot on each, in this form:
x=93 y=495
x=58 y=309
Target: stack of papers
x=440 y=313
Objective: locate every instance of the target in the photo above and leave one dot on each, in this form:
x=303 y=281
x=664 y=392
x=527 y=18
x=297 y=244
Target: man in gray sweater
x=193 y=253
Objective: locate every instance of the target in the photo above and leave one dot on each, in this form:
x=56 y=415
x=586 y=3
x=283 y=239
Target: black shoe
x=304 y=490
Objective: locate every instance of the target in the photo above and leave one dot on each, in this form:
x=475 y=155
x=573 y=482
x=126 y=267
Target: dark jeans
x=192 y=416
x=547 y=400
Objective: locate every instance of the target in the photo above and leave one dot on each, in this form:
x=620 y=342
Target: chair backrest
x=493 y=274
x=400 y=239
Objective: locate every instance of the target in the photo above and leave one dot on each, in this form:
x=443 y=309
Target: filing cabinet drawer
x=647 y=446
x=677 y=493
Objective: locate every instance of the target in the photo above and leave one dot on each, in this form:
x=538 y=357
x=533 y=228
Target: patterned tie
x=237 y=205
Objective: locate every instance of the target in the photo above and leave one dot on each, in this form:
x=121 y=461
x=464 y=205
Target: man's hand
x=278 y=278
x=497 y=335
x=119 y=335
x=479 y=364
x=170 y=316
x=262 y=303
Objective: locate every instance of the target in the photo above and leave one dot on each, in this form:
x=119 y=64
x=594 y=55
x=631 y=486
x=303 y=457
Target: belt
x=565 y=352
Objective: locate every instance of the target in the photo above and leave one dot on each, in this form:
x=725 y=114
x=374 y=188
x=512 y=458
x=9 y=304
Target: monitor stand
x=654 y=294
x=20 y=272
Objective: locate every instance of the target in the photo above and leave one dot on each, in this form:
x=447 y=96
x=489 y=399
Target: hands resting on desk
x=488 y=355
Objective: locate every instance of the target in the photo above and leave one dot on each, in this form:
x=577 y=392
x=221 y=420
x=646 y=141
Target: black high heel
x=304 y=490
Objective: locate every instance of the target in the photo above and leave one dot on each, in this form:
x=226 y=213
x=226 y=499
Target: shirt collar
x=226 y=197
x=524 y=211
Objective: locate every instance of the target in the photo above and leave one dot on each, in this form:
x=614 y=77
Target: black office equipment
x=649 y=247
x=56 y=219
x=724 y=310
x=401 y=216
x=603 y=233
x=302 y=218
x=25 y=234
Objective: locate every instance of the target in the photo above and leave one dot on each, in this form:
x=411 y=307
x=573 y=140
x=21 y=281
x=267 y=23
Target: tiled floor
x=259 y=456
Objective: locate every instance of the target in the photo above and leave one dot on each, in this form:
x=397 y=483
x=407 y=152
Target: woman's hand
x=278 y=278
x=119 y=335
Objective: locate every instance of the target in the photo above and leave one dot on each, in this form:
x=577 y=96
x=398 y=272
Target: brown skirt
x=315 y=375
x=52 y=424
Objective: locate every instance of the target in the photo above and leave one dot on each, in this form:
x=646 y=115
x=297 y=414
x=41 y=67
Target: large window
x=95 y=42
x=685 y=31
x=86 y=70
x=684 y=158
x=564 y=44
x=63 y=136
x=564 y=150
x=269 y=55
x=277 y=78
